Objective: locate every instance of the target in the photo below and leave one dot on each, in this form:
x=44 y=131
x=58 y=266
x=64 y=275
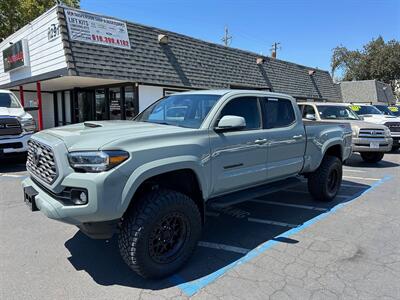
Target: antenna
x=274 y=49
x=227 y=39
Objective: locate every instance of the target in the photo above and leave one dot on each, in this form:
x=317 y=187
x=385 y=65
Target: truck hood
x=380 y=119
x=12 y=112
x=95 y=134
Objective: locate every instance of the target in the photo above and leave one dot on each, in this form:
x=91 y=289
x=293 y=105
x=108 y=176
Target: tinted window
x=8 y=100
x=385 y=110
x=278 y=113
x=331 y=112
x=365 y=110
x=246 y=107
x=308 y=110
x=186 y=110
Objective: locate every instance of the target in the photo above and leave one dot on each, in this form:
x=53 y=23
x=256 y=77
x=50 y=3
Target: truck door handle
x=297 y=137
x=260 y=142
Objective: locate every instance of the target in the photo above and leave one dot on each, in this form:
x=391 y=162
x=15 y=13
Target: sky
x=308 y=30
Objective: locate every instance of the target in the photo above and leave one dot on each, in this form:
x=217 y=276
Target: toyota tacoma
x=151 y=180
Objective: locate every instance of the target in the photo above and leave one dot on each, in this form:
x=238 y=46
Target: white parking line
x=270 y=222
x=289 y=204
x=354 y=170
x=224 y=247
x=362 y=178
x=307 y=192
x=13 y=175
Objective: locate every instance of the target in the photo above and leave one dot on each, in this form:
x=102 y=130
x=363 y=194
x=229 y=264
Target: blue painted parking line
x=192 y=287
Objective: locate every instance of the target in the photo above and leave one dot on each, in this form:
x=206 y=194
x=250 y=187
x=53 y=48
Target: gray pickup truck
x=151 y=180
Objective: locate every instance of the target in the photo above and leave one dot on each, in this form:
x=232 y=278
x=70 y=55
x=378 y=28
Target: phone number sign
x=85 y=27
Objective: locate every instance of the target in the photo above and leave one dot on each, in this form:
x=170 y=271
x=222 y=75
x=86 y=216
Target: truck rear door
x=286 y=137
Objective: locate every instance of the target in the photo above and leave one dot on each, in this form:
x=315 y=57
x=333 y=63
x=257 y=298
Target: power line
x=226 y=39
x=274 y=49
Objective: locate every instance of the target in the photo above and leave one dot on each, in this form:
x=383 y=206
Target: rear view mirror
x=229 y=123
x=311 y=117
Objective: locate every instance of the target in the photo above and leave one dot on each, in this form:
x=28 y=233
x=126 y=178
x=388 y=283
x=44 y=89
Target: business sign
x=85 y=27
x=16 y=56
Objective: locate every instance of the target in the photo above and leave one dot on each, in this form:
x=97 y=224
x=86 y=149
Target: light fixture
x=163 y=39
x=311 y=72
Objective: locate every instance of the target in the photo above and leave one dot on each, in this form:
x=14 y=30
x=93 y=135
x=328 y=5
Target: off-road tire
x=372 y=157
x=135 y=237
x=319 y=182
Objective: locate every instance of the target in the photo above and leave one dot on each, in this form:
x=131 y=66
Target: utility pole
x=274 y=49
x=227 y=39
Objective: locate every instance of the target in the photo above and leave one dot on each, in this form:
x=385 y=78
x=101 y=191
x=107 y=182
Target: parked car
x=16 y=125
x=371 y=114
x=151 y=179
x=369 y=139
x=383 y=108
x=395 y=109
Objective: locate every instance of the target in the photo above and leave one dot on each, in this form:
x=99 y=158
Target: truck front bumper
x=369 y=145
x=103 y=201
x=14 y=144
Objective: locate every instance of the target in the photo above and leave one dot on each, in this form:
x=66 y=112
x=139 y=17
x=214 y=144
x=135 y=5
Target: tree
x=377 y=60
x=14 y=14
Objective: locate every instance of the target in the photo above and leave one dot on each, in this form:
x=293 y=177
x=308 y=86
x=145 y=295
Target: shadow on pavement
x=242 y=227
x=13 y=164
x=356 y=161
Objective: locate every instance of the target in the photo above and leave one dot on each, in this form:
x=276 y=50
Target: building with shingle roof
x=87 y=66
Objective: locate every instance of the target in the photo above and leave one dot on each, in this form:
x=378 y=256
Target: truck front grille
x=371 y=133
x=10 y=126
x=41 y=162
x=393 y=126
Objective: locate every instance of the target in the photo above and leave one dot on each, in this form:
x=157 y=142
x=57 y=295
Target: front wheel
x=159 y=235
x=324 y=183
x=372 y=157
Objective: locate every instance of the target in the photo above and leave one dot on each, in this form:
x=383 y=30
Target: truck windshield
x=187 y=110
x=330 y=112
x=395 y=110
x=365 y=110
x=385 y=109
x=9 y=101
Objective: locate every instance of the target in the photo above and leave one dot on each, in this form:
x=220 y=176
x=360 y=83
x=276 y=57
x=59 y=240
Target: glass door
x=84 y=108
x=114 y=95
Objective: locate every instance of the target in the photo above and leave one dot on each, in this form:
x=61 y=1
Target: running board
x=248 y=194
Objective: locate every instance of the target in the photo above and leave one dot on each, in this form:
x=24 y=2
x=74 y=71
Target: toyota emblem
x=36 y=156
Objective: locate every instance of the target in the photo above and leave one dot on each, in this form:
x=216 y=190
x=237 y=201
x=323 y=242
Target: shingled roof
x=190 y=62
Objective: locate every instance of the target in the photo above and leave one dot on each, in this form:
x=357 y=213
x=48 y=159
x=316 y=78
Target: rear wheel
x=160 y=234
x=372 y=157
x=324 y=183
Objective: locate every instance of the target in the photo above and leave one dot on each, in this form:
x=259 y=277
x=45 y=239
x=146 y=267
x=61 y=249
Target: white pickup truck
x=16 y=125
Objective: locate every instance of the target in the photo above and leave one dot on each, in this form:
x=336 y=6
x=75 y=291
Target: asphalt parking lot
x=280 y=246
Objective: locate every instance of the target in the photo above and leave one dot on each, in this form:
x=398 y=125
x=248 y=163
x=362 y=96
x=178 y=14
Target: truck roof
x=5 y=91
x=327 y=103
x=233 y=92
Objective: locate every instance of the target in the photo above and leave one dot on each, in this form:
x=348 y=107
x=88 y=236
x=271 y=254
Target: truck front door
x=239 y=157
x=286 y=138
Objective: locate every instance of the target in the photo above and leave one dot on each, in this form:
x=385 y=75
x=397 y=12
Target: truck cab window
x=277 y=113
x=308 y=110
x=246 y=107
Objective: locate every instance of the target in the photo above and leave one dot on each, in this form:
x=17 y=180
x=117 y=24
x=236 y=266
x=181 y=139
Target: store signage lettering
x=85 y=27
x=15 y=56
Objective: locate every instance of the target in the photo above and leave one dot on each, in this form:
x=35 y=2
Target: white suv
x=16 y=125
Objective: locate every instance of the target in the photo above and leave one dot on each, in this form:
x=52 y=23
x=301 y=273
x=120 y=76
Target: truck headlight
x=96 y=161
x=28 y=125
x=387 y=132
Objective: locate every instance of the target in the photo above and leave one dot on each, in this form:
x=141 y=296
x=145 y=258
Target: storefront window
x=84 y=107
x=115 y=103
x=130 y=109
x=101 y=108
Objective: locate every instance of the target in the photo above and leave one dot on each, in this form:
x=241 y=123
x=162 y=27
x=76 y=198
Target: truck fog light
x=79 y=197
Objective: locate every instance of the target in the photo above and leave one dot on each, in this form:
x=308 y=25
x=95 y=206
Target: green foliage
x=15 y=14
x=377 y=60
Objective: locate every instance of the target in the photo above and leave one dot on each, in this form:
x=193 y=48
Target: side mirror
x=311 y=117
x=229 y=123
